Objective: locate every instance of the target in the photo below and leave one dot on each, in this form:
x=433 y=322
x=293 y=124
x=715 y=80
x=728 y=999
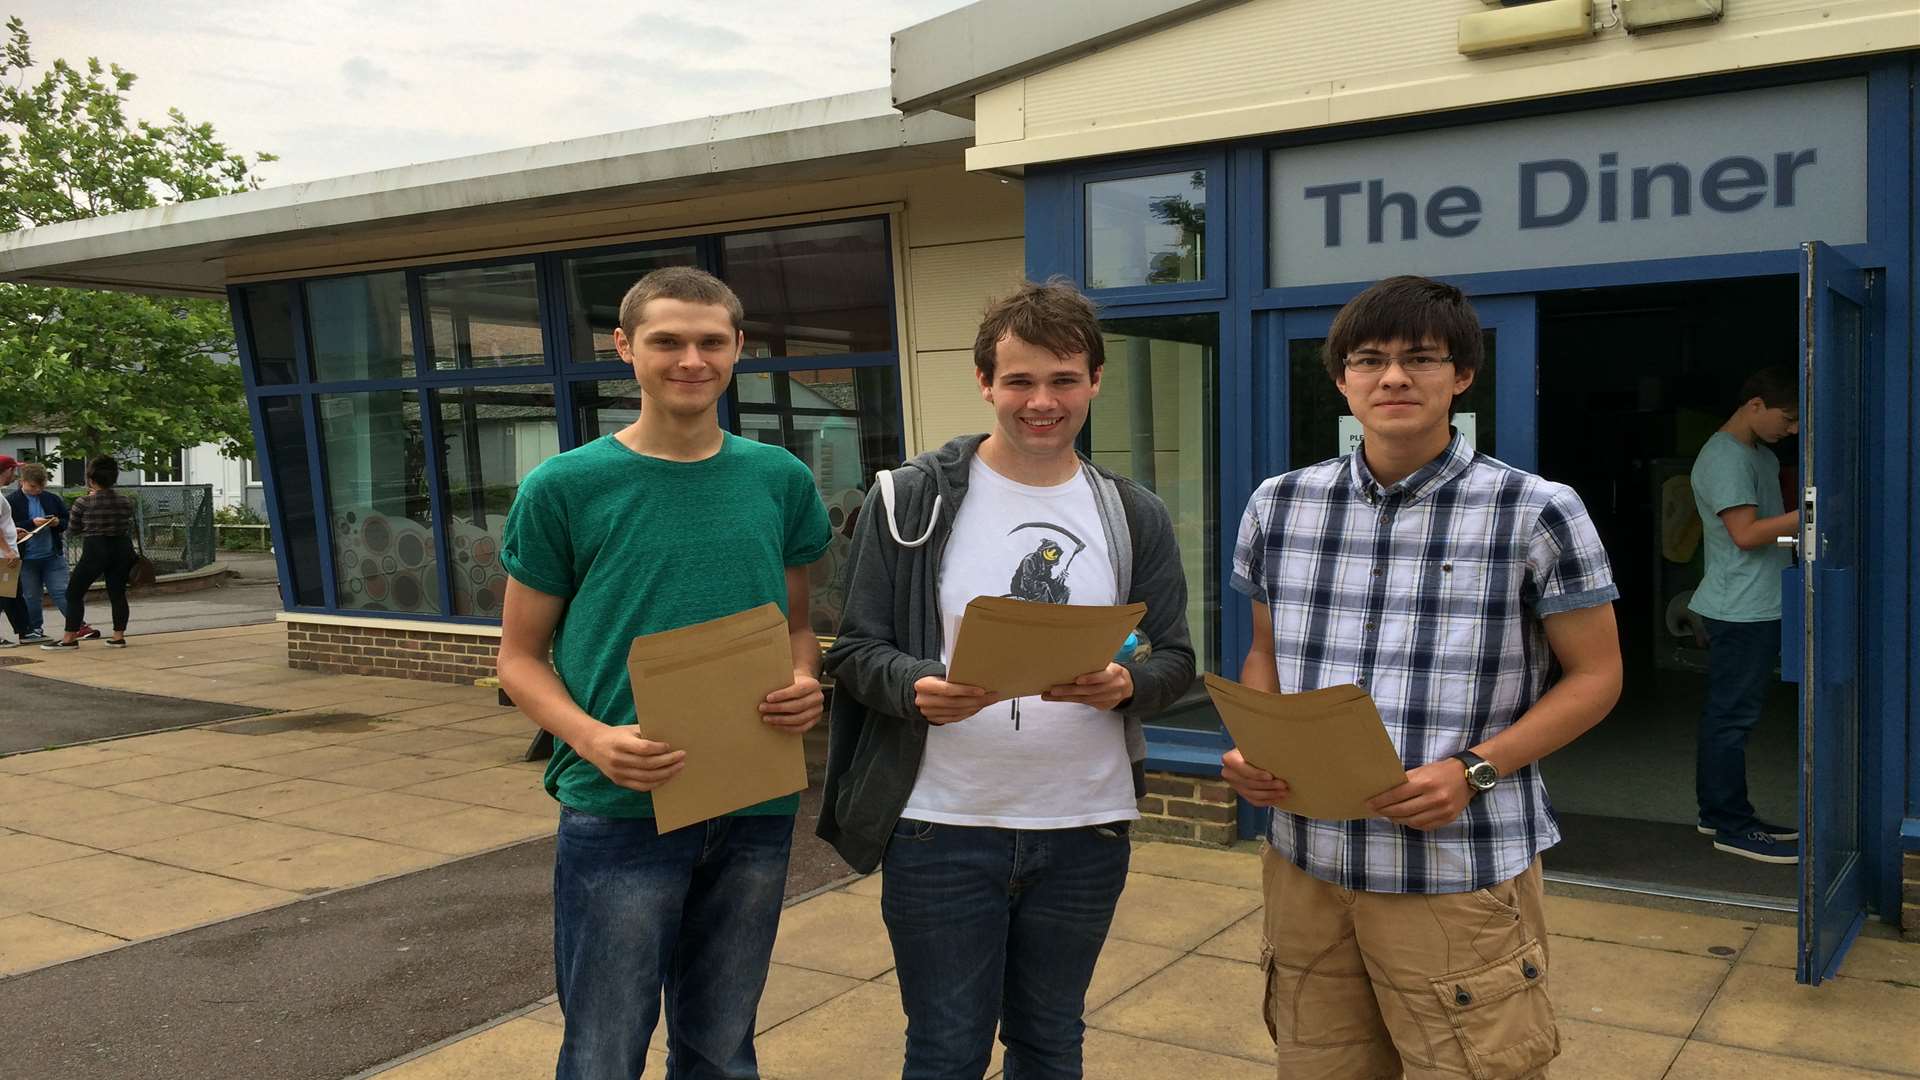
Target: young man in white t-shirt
x=10 y=553
x=1002 y=826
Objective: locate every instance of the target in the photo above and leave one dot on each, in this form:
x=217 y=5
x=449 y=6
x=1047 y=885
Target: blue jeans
x=692 y=912
x=998 y=926
x=1740 y=659
x=43 y=575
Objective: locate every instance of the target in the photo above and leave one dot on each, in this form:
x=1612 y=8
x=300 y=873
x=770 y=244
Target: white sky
x=344 y=86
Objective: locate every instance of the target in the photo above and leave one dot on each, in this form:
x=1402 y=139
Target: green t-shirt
x=1739 y=586
x=636 y=545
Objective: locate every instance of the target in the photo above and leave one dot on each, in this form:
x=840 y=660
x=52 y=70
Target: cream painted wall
x=1286 y=65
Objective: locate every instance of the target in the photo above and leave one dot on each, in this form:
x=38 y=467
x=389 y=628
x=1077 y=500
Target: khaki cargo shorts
x=1379 y=985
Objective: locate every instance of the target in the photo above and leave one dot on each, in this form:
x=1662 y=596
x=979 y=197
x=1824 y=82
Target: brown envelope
x=699 y=689
x=1328 y=745
x=9 y=573
x=1018 y=648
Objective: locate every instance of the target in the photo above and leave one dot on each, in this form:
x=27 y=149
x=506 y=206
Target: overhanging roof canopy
x=941 y=63
x=181 y=248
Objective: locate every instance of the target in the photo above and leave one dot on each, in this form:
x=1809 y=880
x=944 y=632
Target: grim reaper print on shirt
x=1041 y=575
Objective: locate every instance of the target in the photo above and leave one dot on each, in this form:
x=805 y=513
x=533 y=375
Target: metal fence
x=175 y=524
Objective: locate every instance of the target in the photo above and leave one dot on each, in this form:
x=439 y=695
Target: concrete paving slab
x=317 y=759
x=421 y=740
x=521 y=1047
x=30 y=941
x=510 y=724
x=334 y=864
x=1113 y=1056
x=48 y=760
x=501 y=750
x=859 y=1035
x=193 y=900
x=1647 y=928
x=19 y=789
x=868 y=885
x=1241 y=941
x=272 y=800
x=1842 y=1022
x=1881 y=959
x=80 y=879
x=1622 y=986
x=362 y=815
x=24 y=851
x=1124 y=965
x=478 y=710
x=107 y=774
x=1178 y=914
x=502 y=788
x=118 y=832
x=197 y=782
x=1183 y=1005
x=78 y=805
x=1238 y=868
x=1598 y=1052
x=400 y=772
x=221 y=847
x=1705 y=1061
x=466 y=830
x=836 y=933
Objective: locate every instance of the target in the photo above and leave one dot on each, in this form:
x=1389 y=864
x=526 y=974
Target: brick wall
x=1188 y=808
x=1910 y=896
x=400 y=653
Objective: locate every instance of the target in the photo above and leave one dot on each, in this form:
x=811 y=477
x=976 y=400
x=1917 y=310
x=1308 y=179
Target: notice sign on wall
x=1752 y=171
x=1351 y=432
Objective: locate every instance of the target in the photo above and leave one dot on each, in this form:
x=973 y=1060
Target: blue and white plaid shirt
x=1430 y=594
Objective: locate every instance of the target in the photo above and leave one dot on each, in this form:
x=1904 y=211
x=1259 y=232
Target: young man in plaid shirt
x=1447 y=584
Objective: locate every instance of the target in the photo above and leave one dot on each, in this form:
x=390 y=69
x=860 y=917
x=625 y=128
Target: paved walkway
x=367 y=778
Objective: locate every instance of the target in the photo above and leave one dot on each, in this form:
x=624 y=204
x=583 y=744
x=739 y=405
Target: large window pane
x=845 y=424
x=483 y=317
x=377 y=502
x=293 y=490
x=604 y=406
x=1147 y=230
x=1154 y=423
x=1322 y=427
x=595 y=286
x=490 y=438
x=270 y=317
x=360 y=328
x=814 y=290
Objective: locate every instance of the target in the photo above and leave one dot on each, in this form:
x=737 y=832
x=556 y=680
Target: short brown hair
x=1054 y=316
x=687 y=284
x=32 y=472
x=1410 y=309
x=1774 y=386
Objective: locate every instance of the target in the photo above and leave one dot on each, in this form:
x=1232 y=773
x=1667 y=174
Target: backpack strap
x=884 y=481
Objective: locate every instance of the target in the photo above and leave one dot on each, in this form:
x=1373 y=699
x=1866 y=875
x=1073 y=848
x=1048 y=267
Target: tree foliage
x=136 y=376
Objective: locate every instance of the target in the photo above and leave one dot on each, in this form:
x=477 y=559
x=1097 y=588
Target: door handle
x=1787 y=542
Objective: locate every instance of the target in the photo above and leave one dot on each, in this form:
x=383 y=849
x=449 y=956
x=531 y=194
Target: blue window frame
x=1154 y=227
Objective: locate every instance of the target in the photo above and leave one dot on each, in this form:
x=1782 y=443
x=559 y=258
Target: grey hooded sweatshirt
x=890 y=635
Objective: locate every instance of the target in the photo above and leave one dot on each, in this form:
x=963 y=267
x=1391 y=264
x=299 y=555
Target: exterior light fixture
x=1544 y=22
x=1640 y=16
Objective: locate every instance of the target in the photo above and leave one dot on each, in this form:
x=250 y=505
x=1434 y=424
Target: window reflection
x=491 y=437
x=813 y=290
x=604 y=406
x=377 y=502
x=1147 y=230
x=286 y=447
x=360 y=328
x=595 y=286
x=483 y=317
x=1154 y=423
x=844 y=423
x=270 y=318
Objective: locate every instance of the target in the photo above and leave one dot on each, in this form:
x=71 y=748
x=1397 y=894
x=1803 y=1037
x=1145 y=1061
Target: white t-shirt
x=9 y=535
x=1064 y=765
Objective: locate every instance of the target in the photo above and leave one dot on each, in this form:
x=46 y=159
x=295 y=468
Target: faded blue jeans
x=692 y=912
x=44 y=575
x=998 y=926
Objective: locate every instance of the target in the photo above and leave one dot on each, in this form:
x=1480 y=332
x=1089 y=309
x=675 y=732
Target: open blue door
x=1836 y=339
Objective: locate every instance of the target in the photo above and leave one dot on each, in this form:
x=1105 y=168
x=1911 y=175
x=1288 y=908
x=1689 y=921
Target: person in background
x=1736 y=489
x=103 y=520
x=43 y=567
x=10 y=552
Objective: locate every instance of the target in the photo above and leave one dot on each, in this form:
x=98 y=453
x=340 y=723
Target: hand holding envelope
x=1328 y=745
x=699 y=690
x=1018 y=648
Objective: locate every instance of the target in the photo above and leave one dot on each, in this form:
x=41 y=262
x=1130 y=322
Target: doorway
x=1632 y=382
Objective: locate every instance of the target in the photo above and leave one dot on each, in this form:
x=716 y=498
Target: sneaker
x=31 y=636
x=1777 y=832
x=7 y=643
x=115 y=642
x=56 y=645
x=87 y=632
x=1758 y=846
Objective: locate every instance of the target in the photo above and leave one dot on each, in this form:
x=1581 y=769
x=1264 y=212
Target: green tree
x=136 y=376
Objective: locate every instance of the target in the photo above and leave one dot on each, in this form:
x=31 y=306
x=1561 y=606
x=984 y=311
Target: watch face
x=1483 y=776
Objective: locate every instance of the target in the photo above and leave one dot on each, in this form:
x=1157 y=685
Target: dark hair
x=1774 y=386
x=1410 y=309
x=1054 y=316
x=103 y=471
x=687 y=284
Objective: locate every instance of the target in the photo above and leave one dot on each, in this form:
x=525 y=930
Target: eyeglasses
x=1375 y=363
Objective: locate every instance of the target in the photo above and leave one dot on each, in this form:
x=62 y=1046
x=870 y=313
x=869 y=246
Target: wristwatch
x=1481 y=775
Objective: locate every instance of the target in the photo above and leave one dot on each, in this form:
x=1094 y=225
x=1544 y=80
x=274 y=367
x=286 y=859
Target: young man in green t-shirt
x=668 y=522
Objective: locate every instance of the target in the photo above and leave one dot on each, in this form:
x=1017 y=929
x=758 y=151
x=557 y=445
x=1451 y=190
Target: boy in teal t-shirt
x=667 y=523
x=1736 y=488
